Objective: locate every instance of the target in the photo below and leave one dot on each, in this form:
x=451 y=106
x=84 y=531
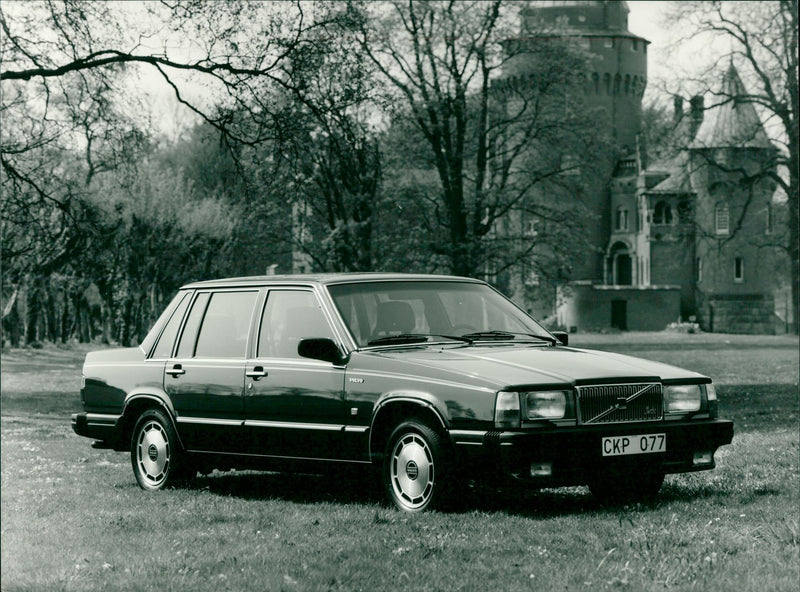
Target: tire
x=416 y=468
x=618 y=489
x=156 y=457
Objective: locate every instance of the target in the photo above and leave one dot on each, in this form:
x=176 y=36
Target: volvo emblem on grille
x=622 y=403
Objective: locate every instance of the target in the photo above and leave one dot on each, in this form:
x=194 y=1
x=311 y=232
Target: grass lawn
x=74 y=519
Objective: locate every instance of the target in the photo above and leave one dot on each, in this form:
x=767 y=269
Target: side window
x=226 y=325
x=288 y=317
x=189 y=336
x=163 y=348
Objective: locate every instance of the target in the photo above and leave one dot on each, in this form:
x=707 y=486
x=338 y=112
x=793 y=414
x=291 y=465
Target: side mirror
x=320 y=349
x=562 y=336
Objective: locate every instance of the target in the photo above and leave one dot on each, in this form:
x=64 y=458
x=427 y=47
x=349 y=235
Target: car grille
x=617 y=403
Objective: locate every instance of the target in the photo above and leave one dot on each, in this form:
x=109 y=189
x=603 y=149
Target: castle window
x=596 y=82
x=698 y=269
x=621 y=219
x=662 y=213
x=738 y=270
x=768 y=215
x=608 y=43
x=634 y=45
x=607 y=82
x=722 y=219
x=617 y=83
x=627 y=84
x=684 y=211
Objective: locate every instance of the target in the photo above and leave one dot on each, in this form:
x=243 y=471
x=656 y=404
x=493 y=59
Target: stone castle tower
x=615 y=81
x=676 y=239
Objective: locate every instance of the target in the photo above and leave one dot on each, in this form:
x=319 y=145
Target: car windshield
x=431 y=310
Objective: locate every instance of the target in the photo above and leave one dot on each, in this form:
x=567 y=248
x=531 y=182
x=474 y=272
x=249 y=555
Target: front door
x=294 y=406
x=205 y=378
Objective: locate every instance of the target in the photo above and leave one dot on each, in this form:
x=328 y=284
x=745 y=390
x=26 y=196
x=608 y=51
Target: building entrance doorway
x=621 y=265
x=619 y=315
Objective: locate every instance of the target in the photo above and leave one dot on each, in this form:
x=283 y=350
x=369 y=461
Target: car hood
x=500 y=366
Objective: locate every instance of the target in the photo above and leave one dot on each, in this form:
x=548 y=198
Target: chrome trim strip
x=311 y=458
x=322 y=427
x=356 y=429
x=468 y=433
x=210 y=421
x=101 y=419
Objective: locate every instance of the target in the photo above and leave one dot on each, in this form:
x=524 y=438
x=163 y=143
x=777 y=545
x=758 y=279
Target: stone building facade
x=680 y=238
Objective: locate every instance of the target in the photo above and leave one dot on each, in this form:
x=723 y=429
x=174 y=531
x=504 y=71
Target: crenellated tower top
x=616 y=75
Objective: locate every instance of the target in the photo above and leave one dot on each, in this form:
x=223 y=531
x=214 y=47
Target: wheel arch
x=139 y=402
x=394 y=409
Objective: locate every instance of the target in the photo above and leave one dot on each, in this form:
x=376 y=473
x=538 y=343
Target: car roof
x=323 y=278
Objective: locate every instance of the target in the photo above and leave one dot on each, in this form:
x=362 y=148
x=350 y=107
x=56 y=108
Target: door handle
x=256 y=373
x=175 y=371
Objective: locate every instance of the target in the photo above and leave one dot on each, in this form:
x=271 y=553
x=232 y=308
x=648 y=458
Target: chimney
x=696 y=112
x=677 y=105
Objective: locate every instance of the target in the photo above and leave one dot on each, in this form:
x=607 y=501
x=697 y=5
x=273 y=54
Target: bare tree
x=761 y=40
x=493 y=139
x=64 y=65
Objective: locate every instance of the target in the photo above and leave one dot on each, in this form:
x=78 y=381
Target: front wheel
x=155 y=453
x=416 y=467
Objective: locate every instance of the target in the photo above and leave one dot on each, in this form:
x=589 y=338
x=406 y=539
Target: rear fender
x=143 y=399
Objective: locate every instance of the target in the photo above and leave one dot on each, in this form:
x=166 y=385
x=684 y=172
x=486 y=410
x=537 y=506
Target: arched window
x=627 y=84
x=738 y=270
x=607 y=82
x=617 y=83
x=662 y=213
x=621 y=265
x=596 y=82
x=722 y=219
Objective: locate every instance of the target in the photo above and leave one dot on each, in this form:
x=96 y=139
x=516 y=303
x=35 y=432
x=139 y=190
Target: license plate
x=638 y=444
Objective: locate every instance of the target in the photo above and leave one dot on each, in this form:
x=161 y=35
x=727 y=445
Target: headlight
x=506 y=410
x=545 y=404
x=684 y=398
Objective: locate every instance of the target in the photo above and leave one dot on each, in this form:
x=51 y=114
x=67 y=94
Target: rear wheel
x=615 y=489
x=416 y=467
x=156 y=457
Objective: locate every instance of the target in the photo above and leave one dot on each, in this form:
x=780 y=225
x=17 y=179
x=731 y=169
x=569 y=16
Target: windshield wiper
x=499 y=335
x=413 y=338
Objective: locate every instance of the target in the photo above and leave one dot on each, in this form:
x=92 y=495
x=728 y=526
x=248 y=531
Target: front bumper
x=573 y=454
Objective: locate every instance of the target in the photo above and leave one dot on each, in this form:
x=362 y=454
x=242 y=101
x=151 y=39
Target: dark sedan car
x=433 y=380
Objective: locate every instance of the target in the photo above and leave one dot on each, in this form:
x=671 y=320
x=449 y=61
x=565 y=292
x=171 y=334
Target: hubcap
x=153 y=453
x=411 y=471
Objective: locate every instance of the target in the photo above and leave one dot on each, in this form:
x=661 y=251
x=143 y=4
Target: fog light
x=541 y=469
x=703 y=458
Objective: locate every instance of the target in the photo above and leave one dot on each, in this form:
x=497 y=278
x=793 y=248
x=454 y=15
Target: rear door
x=205 y=377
